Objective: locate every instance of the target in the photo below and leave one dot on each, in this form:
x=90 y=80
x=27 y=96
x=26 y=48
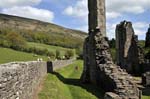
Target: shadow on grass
x=146 y=91
x=76 y=82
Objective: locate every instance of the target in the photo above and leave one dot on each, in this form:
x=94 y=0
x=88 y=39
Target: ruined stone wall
x=97 y=16
x=146 y=79
x=20 y=80
x=130 y=55
x=99 y=69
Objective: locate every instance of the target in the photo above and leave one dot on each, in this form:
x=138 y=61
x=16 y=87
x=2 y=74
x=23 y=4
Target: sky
x=74 y=13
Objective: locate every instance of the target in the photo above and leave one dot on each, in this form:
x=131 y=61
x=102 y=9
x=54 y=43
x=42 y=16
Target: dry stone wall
x=54 y=65
x=20 y=80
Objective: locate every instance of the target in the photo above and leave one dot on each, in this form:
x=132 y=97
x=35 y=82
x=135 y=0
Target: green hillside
x=41 y=32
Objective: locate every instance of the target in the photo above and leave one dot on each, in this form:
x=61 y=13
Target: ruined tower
x=99 y=68
x=97 y=16
x=130 y=55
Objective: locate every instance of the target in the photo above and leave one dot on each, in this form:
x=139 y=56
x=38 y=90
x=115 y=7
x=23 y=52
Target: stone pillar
x=130 y=55
x=97 y=15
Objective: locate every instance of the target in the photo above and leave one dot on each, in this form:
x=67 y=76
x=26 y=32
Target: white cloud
x=112 y=15
x=12 y=3
x=115 y=8
x=140 y=28
x=30 y=12
x=78 y=10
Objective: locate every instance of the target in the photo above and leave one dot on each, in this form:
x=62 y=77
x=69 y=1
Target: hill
x=43 y=32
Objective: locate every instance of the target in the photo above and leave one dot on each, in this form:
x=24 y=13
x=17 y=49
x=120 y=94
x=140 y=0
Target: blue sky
x=74 y=14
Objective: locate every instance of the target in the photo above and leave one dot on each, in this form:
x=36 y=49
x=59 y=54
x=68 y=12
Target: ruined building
x=147 y=42
x=130 y=55
x=97 y=16
x=99 y=68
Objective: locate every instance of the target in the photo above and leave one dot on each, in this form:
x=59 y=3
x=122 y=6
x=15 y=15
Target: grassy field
x=9 y=55
x=65 y=84
x=49 y=47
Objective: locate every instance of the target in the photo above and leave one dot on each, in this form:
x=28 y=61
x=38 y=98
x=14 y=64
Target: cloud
x=115 y=8
x=78 y=10
x=140 y=28
x=30 y=12
x=12 y=3
x=129 y=6
x=112 y=15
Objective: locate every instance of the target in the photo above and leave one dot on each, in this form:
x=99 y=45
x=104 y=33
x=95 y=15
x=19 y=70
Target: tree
x=69 y=54
x=16 y=41
x=58 y=56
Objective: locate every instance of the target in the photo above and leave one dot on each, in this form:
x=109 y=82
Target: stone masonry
x=20 y=80
x=97 y=17
x=147 y=42
x=146 y=79
x=99 y=68
x=130 y=55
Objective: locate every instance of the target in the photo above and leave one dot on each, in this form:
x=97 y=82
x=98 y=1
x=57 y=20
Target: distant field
x=49 y=47
x=9 y=55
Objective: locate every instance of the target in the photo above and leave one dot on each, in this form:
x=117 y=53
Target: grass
x=48 y=47
x=65 y=84
x=9 y=55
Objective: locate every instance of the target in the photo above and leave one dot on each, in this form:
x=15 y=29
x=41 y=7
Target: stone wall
x=54 y=65
x=130 y=55
x=20 y=80
x=97 y=16
x=99 y=69
x=146 y=79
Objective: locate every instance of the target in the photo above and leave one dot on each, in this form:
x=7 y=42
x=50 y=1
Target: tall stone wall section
x=20 y=80
x=130 y=55
x=97 y=15
x=99 y=69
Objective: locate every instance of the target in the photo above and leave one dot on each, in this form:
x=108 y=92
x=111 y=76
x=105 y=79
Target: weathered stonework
x=110 y=95
x=130 y=55
x=99 y=69
x=147 y=42
x=97 y=17
x=146 y=79
x=54 y=65
x=21 y=80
